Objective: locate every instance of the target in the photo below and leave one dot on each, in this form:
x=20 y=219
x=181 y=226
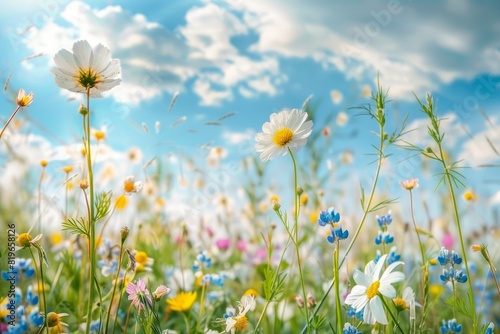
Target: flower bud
x=83 y=110
x=124 y=232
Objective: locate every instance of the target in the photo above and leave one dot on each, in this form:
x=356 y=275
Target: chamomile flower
x=287 y=130
x=86 y=68
x=131 y=186
x=239 y=321
x=54 y=319
x=371 y=287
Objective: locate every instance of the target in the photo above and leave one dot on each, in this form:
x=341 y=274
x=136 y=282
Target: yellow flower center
x=99 y=135
x=372 y=291
x=53 y=319
x=400 y=304
x=44 y=163
x=88 y=78
x=282 y=137
x=141 y=257
x=469 y=195
x=241 y=323
x=67 y=169
x=56 y=238
x=129 y=186
x=252 y=292
x=24 y=240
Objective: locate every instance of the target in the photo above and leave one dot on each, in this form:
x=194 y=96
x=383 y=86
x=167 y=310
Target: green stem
x=367 y=209
x=336 y=275
x=202 y=306
x=422 y=252
x=390 y=313
x=114 y=286
x=275 y=277
x=42 y=293
x=296 y=243
x=119 y=300
x=186 y=321
x=91 y=214
x=462 y=244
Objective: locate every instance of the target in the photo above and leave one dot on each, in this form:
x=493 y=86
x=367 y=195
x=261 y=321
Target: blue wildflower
x=490 y=328
x=217 y=280
x=450 y=326
x=34 y=318
x=31 y=297
x=445 y=257
x=350 y=329
x=384 y=220
x=328 y=217
x=22 y=268
x=384 y=237
x=351 y=312
x=202 y=261
x=337 y=234
x=393 y=257
x=95 y=325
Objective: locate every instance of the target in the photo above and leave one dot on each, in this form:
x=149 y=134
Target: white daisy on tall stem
x=90 y=71
x=87 y=69
x=372 y=287
x=287 y=130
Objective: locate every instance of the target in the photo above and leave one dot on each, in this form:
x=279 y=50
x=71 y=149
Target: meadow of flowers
x=87 y=250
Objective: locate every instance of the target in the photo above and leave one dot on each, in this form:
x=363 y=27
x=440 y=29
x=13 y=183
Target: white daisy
x=86 y=68
x=370 y=286
x=239 y=321
x=287 y=130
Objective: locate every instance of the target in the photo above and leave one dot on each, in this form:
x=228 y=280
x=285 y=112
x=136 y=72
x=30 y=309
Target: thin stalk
x=390 y=313
x=363 y=218
x=336 y=275
x=114 y=286
x=119 y=300
x=9 y=120
x=39 y=220
x=91 y=215
x=266 y=305
x=296 y=243
x=462 y=244
x=42 y=294
x=186 y=321
x=202 y=306
x=422 y=252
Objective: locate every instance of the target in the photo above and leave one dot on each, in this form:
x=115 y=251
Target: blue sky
x=257 y=57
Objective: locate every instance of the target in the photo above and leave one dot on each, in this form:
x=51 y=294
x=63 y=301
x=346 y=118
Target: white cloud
x=154 y=59
x=415 y=46
x=235 y=138
x=480 y=149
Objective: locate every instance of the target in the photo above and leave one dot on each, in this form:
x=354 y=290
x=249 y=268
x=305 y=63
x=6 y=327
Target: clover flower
x=86 y=69
x=287 y=130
